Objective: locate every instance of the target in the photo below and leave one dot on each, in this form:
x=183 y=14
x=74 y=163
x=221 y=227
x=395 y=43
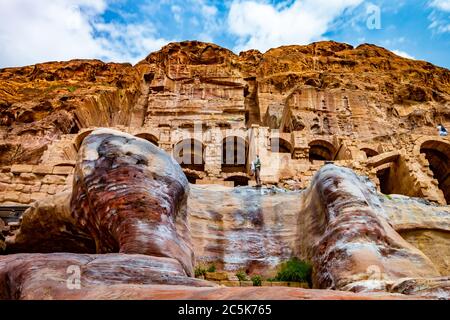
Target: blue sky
x=126 y=31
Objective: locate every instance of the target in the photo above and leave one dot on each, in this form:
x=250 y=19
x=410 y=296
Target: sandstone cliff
x=281 y=88
x=117 y=203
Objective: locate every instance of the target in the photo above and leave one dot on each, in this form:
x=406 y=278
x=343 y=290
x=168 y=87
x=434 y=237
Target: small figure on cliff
x=256 y=169
x=442 y=131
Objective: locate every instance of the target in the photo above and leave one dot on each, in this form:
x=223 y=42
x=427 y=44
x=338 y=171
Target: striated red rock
x=40 y=103
x=120 y=276
x=48 y=226
x=51 y=276
x=348 y=238
x=130 y=196
x=386 y=92
x=252 y=229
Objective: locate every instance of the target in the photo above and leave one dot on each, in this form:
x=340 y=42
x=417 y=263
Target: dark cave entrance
x=438 y=155
x=239 y=181
x=321 y=150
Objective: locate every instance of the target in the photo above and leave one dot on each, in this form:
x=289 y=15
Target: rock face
x=48 y=226
x=130 y=197
x=118 y=276
x=252 y=230
x=132 y=206
x=42 y=102
x=424 y=225
x=126 y=273
x=348 y=238
x=2 y=238
x=117 y=195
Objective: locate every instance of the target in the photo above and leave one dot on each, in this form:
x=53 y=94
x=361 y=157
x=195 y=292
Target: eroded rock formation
x=115 y=197
x=40 y=103
x=133 y=206
x=348 y=238
x=128 y=195
x=108 y=276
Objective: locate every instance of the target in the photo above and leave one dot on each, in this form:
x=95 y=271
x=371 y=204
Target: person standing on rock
x=256 y=167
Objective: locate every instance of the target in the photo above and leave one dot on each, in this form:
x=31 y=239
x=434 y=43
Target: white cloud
x=37 y=31
x=261 y=25
x=443 y=5
x=176 y=10
x=439 y=16
x=403 y=54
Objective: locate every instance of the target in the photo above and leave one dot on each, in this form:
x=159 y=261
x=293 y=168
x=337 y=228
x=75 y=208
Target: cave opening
x=438 y=155
x=395 y=177
x=149 y=137
x=385 y=183
x=280 y=145
x=321 y=150
x=192 y=177
x=239 y=181
x=369 y=152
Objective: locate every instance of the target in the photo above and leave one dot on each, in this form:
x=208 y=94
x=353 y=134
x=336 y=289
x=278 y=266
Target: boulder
x=130 y=196
x=348 y=238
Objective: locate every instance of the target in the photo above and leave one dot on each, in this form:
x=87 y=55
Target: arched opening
x=370 y=152
x=239 y=180
x=321 y=150
x=394 y=175
x=80 y=138
x=192 y=177
x=386 y=183
x=438 y=156
x=280 y=145
x=189 y=154
x=234 y=154
x=149 y=137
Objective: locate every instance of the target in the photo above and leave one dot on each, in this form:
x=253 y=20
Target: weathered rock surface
x=130 y=196
x=291 y=88
x=424 y=225
x=339 y=223
x=252 y=229
x=131 y=199
x=2 y=238
x=48 y=226
x=347 y=236
x=48 y=276
x=40 y=103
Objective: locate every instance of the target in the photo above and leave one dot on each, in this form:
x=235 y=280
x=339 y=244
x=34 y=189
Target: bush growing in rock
x=212 y=268
x=257 y=280
x=294 y=270
x=200 y=271
x=241 y=275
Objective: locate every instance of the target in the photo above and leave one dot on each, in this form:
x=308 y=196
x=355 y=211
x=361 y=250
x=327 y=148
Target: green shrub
x=199 y=271
x=241 y=275
x=294 y=270
x=257 y=280
x=212 y=268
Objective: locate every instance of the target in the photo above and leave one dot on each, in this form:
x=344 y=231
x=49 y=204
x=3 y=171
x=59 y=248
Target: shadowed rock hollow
x=132 y=204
